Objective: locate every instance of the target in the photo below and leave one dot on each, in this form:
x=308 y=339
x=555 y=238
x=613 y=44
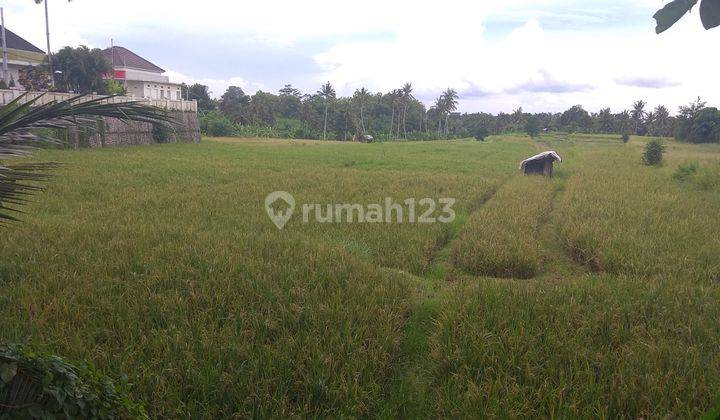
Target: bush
x=214 y=123
x=625 y=138
x=685 y=172
x=481 y=133
x=45 y=386
x=654 y=151
x=705 y=178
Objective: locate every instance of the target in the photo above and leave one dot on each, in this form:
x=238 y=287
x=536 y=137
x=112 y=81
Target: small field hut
x=541 y=164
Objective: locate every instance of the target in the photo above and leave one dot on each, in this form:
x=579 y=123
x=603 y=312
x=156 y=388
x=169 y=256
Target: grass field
x=592 y=294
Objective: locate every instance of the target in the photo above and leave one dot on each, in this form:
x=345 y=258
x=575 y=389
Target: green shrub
x=654 y=151
x=704 y=178
x=214 y=123
x=45 y=386
x=481 y=133
x=685 y=172
x=625 y=138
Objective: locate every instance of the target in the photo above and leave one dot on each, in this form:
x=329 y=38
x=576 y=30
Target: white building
x=21 y=53
x=140 y=77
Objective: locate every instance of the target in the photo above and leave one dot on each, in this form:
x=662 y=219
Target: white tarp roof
x=541 y=156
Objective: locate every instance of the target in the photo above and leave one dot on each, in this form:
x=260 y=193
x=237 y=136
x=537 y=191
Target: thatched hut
x=541 y=164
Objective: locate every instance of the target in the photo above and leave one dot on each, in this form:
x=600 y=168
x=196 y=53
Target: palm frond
x=21 y=123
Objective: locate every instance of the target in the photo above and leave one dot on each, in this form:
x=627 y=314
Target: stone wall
x=113 y=132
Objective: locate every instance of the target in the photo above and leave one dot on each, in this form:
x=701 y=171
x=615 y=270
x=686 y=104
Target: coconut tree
x=406 y=96
x=327 y=93
x=638 y=115
x=361 y=96
x=25 y=124
x=439 y=110
x=662 y=121
x=450 y=103
x=393 y=98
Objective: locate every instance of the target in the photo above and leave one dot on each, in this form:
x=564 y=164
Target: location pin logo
x=280 y=217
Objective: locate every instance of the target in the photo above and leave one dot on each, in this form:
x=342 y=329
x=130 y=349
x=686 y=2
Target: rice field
x=592 y=294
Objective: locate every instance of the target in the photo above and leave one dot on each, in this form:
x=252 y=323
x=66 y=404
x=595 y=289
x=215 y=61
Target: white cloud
x=382 y=44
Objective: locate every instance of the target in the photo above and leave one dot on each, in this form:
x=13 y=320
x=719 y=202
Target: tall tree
x=406 y=92
x=450 y=103
x=605 y=121
x=638 y=116
x=201 y=94
x=327 y=93
x=661 y=126
x=361 y=96
x=234 y=103
x=81 y=69
x=290 y=102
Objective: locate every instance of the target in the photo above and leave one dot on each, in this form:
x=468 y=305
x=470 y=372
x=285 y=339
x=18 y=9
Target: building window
x=179 y=97
x=162 y=94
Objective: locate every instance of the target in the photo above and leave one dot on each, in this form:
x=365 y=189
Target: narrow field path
x=442 y=266
x=557 y=262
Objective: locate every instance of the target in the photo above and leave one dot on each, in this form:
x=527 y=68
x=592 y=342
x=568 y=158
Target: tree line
x=399 y=115
x=323 y=115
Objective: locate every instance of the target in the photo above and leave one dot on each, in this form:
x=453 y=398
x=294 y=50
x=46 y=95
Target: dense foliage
x=60 y=389
x=398 y=115
x=81 y=70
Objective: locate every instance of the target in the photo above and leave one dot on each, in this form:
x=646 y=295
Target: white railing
x=7 y=96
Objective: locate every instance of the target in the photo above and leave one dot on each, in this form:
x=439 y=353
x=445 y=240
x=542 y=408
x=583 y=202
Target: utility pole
x=4 y=49
x=49 y=52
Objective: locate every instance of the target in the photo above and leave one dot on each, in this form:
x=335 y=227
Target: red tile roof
x=122 y=57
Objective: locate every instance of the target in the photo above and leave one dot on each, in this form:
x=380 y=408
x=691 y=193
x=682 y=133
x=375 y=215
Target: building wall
x=169 y=91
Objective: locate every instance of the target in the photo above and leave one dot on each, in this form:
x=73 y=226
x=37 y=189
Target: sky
x=541 y=55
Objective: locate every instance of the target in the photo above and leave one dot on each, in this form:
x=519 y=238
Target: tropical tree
x=406 y=93
x=234 y=103
x=575 y=119
x=661 y=124
x=605 y=121
x=201 y=94
x=638 y=116
x=361 y=96
x=449 y=100
x=327 y=93
x=676 y=9
x=290 y=102
x=24 y=124
x=532 y=126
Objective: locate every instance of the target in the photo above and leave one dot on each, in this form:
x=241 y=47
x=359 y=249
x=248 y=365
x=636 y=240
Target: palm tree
x=450 y=103
x=638 y=115
x=361 y=95
x=662 y=120
x=406 y=96
x=439 y=110
x=327 y=92
x=20 y=121
x=393 y=96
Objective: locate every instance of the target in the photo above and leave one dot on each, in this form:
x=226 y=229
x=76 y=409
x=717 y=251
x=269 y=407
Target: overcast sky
x=543 y=55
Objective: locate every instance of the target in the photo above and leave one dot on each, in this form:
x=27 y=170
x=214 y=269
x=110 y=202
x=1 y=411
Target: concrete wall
x=111 y=132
